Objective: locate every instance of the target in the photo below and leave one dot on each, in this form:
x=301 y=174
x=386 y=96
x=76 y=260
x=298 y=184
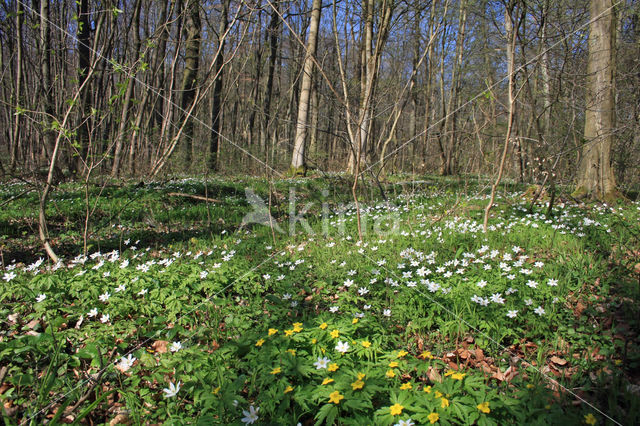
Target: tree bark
x=595 y=178
x=216 y=110
x=451 y=119
x=76 y=162
x=17 y=96
x=298 y=159
x=124 y=118
x=193 y=27
x=273 y=32
x=45 y=69
x=511 y=36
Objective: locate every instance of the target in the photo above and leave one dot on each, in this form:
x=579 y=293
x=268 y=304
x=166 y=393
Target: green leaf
x=327 y=413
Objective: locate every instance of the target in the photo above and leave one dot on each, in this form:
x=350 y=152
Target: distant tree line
x=147 y=87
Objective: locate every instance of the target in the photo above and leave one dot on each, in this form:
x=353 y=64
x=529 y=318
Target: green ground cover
x=181 y=312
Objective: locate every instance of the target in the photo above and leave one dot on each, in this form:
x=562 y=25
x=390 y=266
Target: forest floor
x=263 y=305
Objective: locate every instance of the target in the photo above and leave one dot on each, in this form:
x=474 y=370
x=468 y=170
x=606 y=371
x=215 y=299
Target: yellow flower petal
x=396 y=409
x=272 y=331
x=335 y=397
x=358 y=384
x=590 y=419
x=484 y=407
x=323 y=326
x=260 y=342
x=433 y=417
x=327 y=380
x=425 y=355
x=390 y=373
x=288 y=389
x=276 y=370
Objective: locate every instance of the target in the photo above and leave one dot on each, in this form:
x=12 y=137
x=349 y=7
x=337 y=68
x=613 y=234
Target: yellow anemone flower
x=358 y=384
x=335 y=397
x=396 y=409
x=484 y=407
x=425 y=355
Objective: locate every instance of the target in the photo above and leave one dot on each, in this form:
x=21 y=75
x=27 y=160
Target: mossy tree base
x=610 y=197
x=297 y=171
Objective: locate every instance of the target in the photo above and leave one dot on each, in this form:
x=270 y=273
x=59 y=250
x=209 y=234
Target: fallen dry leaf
x=463 y=353
x=510 y=373
x=557 y=360
x=120 y=419
x=498 y=376
x=160 y=346
x=433 y=375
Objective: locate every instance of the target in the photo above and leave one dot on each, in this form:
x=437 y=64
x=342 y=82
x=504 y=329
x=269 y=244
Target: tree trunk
x=124 y=118
x=190 y=75
x=451 y=118
x=595 y=178
x=545 y=70
x=45 y=68
x=17 y=97
x=273 y=32
x=298 y=159
x=76 y=163
x=511 y=35
x=429 y=77
x=366 y=88
x=216 y=110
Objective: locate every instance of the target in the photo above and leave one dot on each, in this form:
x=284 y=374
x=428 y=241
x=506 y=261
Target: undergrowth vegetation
x=183 y=311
